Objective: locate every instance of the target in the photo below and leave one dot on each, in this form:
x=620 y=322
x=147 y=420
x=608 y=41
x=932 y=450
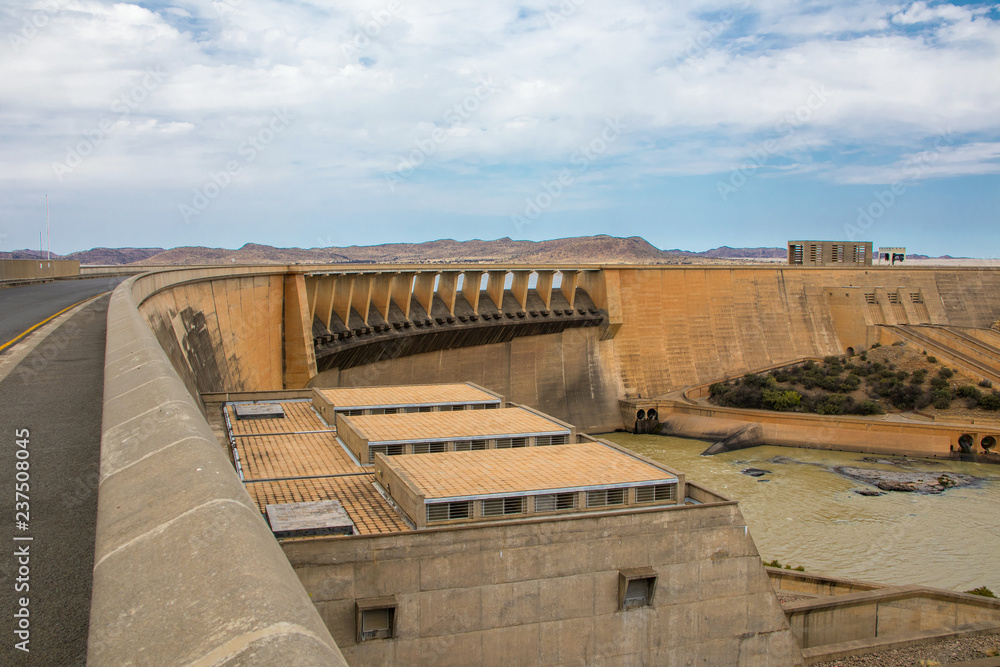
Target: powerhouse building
x=499 y=536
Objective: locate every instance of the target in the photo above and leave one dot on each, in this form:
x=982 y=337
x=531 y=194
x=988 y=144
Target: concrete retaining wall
x=842 y=432
x=545 y=592
x=186 y=570
x=888 y=612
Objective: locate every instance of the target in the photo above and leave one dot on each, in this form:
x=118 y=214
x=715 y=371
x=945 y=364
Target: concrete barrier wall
x=37 y=269
x=888 y=612
x=186 y=570
x=793 y=581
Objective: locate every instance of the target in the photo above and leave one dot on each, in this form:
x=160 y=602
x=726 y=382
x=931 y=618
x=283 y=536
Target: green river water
x=806 y=514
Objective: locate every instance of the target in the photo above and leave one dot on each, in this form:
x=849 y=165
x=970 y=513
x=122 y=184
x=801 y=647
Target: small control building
x=830 y=253
x=487 y=485
x=891 y=255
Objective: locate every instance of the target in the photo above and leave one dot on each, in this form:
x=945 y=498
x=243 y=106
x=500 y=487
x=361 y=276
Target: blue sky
x=691 y=124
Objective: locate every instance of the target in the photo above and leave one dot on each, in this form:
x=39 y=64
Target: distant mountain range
x=583 y=249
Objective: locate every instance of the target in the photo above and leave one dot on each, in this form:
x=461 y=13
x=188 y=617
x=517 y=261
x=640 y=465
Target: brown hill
x=587 y=249
x=107 y=256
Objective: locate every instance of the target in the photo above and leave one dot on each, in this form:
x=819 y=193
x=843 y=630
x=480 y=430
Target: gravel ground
x=940 y=652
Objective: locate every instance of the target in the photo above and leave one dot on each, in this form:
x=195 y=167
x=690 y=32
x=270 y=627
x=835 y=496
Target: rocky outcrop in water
x=905 y=481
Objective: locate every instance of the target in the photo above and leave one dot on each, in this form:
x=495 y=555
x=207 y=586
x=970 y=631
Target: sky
x=690 y=124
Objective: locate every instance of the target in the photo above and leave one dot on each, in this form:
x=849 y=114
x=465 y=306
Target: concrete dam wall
x=646 y=331
x=687 y=326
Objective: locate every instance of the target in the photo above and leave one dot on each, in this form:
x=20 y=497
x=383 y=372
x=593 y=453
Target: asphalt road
x=51 y=402
x=25 y=306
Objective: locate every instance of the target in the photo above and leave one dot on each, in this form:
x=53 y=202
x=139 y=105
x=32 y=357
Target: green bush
x=832 y=405
x=849 y=384
x=942 y=398
x=945 y=372
x=918 y=376
x=868 y=408
x=939 y=383
x=982 y=590
x=781 y=400
x=717 y=389
x=932 y=360
x=968 y=391
x=876 y=345
x=754 y=380
x=905 y=396
x=990 y=401
x=985 y=384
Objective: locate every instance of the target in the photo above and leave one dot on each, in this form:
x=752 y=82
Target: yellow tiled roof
x=460 y=425
x=299 y=416
x=417 y=394
x=300 y=455
x=457 y=474
x=367 y=508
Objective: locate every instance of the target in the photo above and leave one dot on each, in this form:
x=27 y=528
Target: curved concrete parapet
x=186 y=571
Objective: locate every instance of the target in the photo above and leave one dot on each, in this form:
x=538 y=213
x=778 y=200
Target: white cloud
x=699 y=87
x=942 y=161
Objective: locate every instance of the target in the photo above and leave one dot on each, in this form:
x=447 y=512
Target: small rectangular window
x=504 y=506
x=375 y=618
x=469 y=445
x=605 y=497
x=552 y=502
x=354 y=413
x=387 y=450
x=544 y=440
x=390 y=411
x=636 y=590
x=508 y=443
x=428 y=447
x=449 y=511
x=656 y=493
x=426 y=408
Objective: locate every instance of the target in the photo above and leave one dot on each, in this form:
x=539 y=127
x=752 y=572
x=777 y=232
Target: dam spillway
x=644 y=330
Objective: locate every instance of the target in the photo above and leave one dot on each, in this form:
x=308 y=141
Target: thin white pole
x=48 y=235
